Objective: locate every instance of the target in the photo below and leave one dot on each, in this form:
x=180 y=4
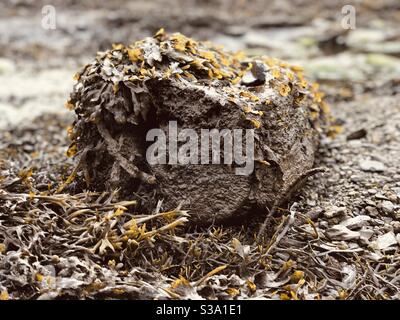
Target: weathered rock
x=372 y=166
x=356 y=222
x=384 y=241
x=366 y=233
x=396 y=226
x=387 y=207
x=128 y=90
x=334 y=211
x=339 y=232
x=372 y=211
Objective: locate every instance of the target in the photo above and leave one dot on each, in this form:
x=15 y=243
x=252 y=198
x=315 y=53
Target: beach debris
x=92 y=245
x=372 y=166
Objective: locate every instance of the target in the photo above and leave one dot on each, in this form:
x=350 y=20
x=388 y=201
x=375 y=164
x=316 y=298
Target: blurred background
x=38 y=56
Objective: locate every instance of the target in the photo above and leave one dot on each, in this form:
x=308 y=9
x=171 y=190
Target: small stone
x=366 y=233
x=256 y=76
x=334 y=211
x=378 y=222
x=384 y=241
x=119 y=266
x=323 y=224
x=369 y=202
x=397 y=191
x=381 y=196
x=314 y=213
x=355 y=178
x=311 y=203
x=396 y=226
x=387 y=220
x=372 y=166
x=357 y=134
x=372 y=211
x=387 y=207
x=356 y=222
x=340 y=233
x=248 y=79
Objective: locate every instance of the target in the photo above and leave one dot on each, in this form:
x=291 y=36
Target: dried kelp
x=93 y=246
x=130 y=89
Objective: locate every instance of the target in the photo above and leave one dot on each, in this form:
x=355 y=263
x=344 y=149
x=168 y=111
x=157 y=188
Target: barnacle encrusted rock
x=128 y=90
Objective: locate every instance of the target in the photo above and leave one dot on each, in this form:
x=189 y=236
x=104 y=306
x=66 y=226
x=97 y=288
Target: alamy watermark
x=188 y=147
x=49 y=17
x=349 y=17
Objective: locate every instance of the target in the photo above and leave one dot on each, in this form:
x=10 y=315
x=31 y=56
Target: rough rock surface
x=128 y=90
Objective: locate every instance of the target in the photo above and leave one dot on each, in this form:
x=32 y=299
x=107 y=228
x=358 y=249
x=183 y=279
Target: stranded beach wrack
x=170 y=78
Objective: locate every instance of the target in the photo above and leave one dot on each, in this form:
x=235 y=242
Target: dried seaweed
x=92 y=246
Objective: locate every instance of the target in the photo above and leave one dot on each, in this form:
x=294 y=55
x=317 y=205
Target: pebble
x=334 y=211
x=314 y=213
x=369 y=202
x=339 y=232
x=396 y=226
x=381 y=196
x=355 y=178
x=397 y=191
x=372 y=211
x=235 y=31
x=357 y=134
x=387 y=207
x=366 y=233
x=356 y=222
x=378 y=222
x=372 y=166
x=256 y=76
x=384 y=241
